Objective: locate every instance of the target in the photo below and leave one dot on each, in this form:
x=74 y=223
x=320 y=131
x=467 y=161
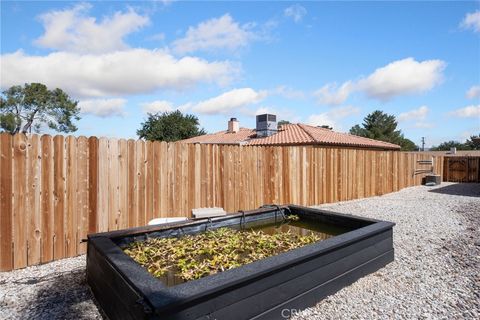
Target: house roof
x=292 y=134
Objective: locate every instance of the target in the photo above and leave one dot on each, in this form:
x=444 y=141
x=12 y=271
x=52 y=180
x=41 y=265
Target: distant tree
x=473 y=143
x=446 y=146
x=358 y=131
x=170 y=126
x=30 y=106
x=408 y=145
x=377 y=125
x=282 y=122
x=381 y=126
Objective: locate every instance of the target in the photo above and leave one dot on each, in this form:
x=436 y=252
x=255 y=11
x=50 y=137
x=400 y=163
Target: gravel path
x=435 y=274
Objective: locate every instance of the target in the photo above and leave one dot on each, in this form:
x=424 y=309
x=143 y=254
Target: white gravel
x=435 y=274
x=55 y=290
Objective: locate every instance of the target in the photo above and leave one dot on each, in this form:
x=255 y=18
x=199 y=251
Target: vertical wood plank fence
x=462 y=169
x=56 y=190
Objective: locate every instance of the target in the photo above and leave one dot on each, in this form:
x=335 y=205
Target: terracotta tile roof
x=325 y=136
x=223 y=137
x=289 y=134
x=292 y=134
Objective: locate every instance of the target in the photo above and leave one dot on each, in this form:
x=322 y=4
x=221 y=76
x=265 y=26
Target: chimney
x=233 y=125
x=266 y=125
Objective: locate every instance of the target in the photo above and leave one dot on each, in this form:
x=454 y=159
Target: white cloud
x=472 y=21
x=103 y=107
x=214 y=34
x=73 y=30
x=330 y=94
x=157 y=106
x=228 y=102
x=472 y=111
x=321 y=119
x=263 y=110
x=416 y=114
x=332 y=117
x=296 y=12
x=473 y=92
x=125 y=72
x=402 y=77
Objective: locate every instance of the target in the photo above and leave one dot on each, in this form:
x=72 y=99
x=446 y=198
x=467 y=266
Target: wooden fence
x=462 y=169
x=56 y=190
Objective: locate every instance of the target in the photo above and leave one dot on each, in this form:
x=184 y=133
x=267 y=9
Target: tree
x=170 y=126
x=381 y=126
x=473 y=143
x=30 y=106
x=281 y=123
x=408 y=145
x=447 y=145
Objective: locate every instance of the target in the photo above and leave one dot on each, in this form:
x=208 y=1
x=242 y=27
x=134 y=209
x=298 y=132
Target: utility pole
x=423 y=143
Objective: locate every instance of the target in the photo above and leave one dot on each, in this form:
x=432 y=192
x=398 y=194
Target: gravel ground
x=435 y=274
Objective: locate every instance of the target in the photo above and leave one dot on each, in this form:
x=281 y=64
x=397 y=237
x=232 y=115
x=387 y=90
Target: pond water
x=301 y=227
x=286 y=233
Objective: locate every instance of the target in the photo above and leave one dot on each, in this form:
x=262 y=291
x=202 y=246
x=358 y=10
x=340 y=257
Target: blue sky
x=312 y=62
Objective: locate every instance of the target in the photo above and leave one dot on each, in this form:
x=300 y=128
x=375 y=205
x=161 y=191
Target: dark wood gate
x=462 y=169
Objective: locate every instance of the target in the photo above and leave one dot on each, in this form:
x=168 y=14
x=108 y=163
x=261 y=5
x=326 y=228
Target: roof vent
x=325 y=126
x=266 y=125
x=233 y=125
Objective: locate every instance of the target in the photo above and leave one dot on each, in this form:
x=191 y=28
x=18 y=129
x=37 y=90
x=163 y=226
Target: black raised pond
x=335 y=250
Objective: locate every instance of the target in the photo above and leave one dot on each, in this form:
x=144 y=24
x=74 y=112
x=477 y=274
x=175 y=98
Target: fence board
x=6 y=214
x=141 y=199
x=20 y=199
x=71 y=219
x=132 y=185
x=183 y=178
x=113 y=197
x=47 y=198
x=103 y=211
x=83 y=192
x=157 y=160
x=93 y=162
x=149 y=178
x=34 y=225
x=60 y=201
x=122 y=184
x=164 y=179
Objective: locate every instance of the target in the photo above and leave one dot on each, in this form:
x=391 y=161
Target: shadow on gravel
x=460 y=189
x=64 y=296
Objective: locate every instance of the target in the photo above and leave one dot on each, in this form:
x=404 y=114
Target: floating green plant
x=195 y=256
